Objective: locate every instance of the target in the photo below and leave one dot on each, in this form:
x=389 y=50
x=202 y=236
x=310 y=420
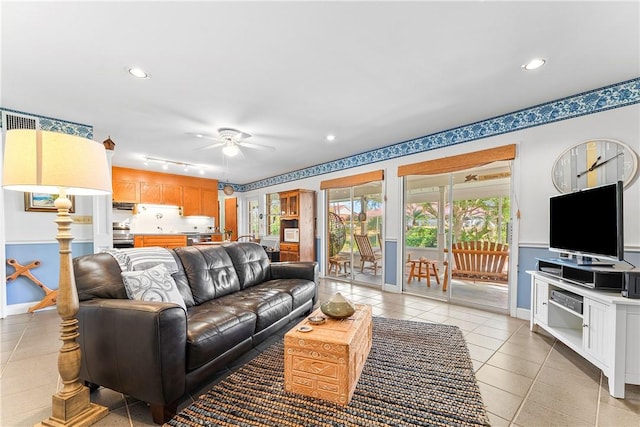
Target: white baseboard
x=391 y=288
x=523 y=313
x=23 y=308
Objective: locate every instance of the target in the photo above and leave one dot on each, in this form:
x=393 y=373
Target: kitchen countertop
x=178 y=233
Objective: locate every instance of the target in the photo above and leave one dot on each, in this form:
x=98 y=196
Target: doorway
x=457 y=235
x=231 y=218
x=354 y=225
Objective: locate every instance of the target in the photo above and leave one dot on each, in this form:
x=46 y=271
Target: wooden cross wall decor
x=24 y=270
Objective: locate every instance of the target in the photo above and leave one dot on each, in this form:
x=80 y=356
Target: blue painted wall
x=22 y=289
x=390 y=263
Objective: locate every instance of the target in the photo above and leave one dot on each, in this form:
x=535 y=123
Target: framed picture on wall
x=41 y=202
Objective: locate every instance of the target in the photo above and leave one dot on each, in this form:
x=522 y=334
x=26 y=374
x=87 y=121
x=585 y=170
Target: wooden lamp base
x=71 y=406
x=76 y=410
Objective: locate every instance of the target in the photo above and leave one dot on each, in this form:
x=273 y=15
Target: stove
x=122 y=237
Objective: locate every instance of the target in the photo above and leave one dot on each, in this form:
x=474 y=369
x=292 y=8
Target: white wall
x=537 y=149
x=22 y=226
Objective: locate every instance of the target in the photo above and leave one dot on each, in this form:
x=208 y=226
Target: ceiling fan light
x=230 y=150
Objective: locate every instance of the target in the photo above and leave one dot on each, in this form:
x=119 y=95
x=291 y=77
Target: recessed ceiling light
x=533 y=64
x=138 y=72
x=331 y=137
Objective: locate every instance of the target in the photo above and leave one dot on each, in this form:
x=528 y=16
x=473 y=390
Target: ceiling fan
x=231 y=140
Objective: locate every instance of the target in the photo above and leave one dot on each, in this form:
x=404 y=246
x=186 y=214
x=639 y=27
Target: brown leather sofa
x=158 y=353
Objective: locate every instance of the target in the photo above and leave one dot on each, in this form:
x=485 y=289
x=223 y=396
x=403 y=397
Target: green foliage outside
x=421 y=237
x=474 y=219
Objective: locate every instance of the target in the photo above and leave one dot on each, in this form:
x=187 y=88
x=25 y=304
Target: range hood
x=123 y=206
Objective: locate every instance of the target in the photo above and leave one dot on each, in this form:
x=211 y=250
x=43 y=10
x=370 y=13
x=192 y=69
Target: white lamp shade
x=45 y=162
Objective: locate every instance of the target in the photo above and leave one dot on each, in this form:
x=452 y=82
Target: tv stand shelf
x=606 y=333
x=591 y=276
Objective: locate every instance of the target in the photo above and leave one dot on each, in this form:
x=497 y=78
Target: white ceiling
x=289 y=73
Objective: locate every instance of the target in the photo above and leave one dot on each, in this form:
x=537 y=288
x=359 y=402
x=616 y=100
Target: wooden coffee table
x=327 y=361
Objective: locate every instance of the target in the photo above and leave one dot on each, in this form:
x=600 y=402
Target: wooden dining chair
x=367 y=253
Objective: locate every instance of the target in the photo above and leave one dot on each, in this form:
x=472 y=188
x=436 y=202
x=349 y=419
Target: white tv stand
x=606 y=333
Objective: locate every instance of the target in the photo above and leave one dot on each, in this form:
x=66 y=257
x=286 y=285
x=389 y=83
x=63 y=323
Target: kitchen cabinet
x=197 y=196
x=199 y=201
x=298 y=211
x=168 y=241
x=125 y=191
x=160 y=194
x=210 y=202
x=604 y=332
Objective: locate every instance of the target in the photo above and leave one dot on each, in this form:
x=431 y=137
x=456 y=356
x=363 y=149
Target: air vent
x=14 y=121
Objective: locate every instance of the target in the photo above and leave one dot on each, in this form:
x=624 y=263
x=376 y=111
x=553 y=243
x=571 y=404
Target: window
x=273 y=214
x=254 y=217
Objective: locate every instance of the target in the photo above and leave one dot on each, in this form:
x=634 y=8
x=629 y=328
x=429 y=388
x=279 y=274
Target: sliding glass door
x=354 y=225
x=456 y=237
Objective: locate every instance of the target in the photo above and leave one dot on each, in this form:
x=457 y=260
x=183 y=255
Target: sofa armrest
x=134 y=347
x=295 y=270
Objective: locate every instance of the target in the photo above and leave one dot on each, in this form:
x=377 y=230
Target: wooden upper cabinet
x=150 y=193
x=210 y=202
x=126 y=191
x=197 y=196
x=289 y=204
x=161 y=194
x=191 y=201
x=172 y=194
x=199 y=201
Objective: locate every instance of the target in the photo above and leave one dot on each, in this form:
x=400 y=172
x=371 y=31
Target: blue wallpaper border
x=55 y=125
x=590 y=102
x=594 y=101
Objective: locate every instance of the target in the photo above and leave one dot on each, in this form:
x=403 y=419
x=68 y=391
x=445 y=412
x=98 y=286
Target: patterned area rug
x=417 y=374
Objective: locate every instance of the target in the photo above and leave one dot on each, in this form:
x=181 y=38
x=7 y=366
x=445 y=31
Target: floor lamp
x=55 y=163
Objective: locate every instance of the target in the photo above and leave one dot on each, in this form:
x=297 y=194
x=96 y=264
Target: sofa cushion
x=301 y=290
x=269 y=305
x=153 y=284
x=214 y=328
x=209 y=271
x=251 y=263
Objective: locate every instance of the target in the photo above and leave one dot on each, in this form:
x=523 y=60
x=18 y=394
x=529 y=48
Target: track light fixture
x=165 y=164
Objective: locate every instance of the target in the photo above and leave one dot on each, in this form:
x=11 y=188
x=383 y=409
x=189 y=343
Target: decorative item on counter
x=227 y=235
x=338 y=307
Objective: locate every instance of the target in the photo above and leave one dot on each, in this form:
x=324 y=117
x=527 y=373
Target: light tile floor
x=526 y=379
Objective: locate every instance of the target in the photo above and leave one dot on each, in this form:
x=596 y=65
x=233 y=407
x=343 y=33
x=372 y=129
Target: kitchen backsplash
x=162 y=219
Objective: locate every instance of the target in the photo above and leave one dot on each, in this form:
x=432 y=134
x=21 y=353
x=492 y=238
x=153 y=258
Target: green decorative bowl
x=338 y=307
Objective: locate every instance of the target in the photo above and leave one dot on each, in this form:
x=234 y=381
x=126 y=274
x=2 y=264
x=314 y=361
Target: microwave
x=291 y=235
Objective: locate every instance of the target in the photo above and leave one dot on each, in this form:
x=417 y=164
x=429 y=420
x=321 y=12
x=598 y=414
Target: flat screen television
x=588 y=224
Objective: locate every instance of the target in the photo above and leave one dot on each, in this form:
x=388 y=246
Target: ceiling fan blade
x=257 y=146
x=204 y=136
x=206 y=147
